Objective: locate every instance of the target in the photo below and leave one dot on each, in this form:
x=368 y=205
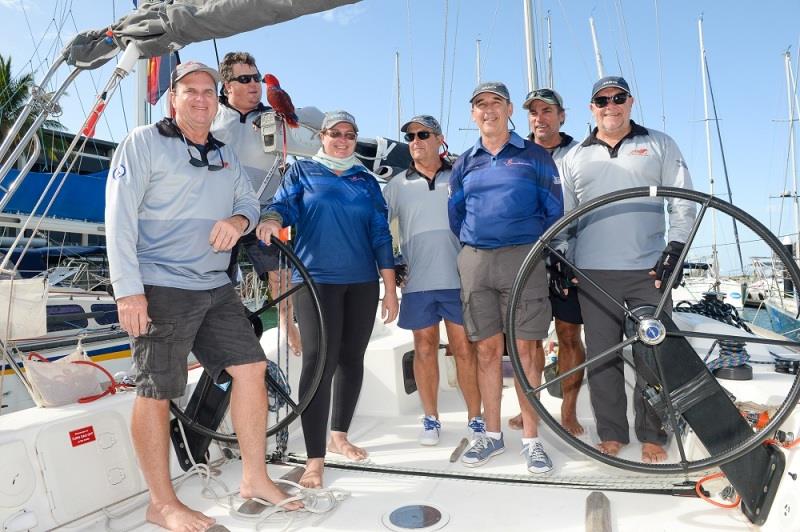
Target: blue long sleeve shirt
x=506 y=199
x=342 y=229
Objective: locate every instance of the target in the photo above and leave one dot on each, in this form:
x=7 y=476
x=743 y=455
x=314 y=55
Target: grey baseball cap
x=425 y=121
x=610 y=81
x=495 y=87
x=189 y=67
x=546 y=95
x=334 y=117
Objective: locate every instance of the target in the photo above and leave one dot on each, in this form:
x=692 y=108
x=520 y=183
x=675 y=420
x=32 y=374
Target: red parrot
x=280 y=101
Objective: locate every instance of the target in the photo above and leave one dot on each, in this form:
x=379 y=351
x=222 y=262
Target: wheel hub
x=651 y=331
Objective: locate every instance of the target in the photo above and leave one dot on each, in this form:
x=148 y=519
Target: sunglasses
x=335 y=134
x=422 y=135
x=619 y=99
x=201 y=159
x=244 y=79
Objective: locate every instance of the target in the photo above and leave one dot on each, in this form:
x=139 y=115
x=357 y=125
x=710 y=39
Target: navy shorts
x=419 y=310
x=568 y=310
x=212 y=324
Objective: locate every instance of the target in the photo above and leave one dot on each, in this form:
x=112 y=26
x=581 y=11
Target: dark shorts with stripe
x=212 y=324
x=569 y=309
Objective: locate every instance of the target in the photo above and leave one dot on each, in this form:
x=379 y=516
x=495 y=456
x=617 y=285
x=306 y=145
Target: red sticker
x=81 y=436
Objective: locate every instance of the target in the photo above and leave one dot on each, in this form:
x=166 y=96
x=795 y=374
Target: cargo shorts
x=487 y=276
x=212 y=324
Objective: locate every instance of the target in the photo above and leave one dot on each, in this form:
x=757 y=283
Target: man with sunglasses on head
x=177 y=200
x=622 y=249
x=504 y=193
x=546 y=115
x=417 y=198
x=239 y=106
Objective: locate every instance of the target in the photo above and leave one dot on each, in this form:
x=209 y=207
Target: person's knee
x=251 y=372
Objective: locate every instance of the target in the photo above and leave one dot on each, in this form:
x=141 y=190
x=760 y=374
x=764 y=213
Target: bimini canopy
x=159 y=27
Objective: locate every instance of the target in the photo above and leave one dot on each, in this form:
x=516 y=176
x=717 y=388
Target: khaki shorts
x=487 y=276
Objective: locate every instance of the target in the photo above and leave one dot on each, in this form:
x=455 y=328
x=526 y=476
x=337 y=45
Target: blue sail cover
x=81 y=198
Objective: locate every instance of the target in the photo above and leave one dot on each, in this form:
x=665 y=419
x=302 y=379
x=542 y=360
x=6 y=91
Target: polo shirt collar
x=515 y=140
x=259 y=109
x=168 y=128
x=412 y=169
x=636 y=130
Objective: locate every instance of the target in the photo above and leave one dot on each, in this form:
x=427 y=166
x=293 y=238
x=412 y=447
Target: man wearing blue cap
x=618 y=249
x=417 y=199
x=504 y=193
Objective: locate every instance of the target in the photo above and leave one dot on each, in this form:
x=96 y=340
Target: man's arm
x=675 y=173
x=456 y=202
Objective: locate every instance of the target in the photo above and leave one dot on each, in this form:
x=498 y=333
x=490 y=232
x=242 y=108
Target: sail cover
x=160 y=27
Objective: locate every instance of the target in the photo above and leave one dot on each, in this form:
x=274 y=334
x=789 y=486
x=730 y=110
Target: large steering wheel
x=292 y=407
x=641 y=324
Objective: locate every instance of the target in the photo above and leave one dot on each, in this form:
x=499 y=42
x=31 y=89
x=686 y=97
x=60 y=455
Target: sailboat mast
x=787 y=57
x=397 y=82
x=549 y=52
x=478 y=61
x=709 y=157
x=598 y=59
x=530 y=55
x=143 y=111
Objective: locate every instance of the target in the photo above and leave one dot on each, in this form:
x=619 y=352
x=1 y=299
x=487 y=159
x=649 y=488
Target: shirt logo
x=119 y=172
x=556 y=180
x=639 y=151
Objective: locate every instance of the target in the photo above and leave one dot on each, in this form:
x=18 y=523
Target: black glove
x=560 y=275
x=667 y=264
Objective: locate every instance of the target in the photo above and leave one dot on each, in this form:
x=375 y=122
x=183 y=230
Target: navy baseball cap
x=495 y=87
x=425 y=121
x=610 y=81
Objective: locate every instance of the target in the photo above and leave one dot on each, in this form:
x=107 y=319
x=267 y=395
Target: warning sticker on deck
x=81 y=436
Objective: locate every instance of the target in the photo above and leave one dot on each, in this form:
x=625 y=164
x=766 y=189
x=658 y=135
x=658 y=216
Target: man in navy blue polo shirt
x=504 y=193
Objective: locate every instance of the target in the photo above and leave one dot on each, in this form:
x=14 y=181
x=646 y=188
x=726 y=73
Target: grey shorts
x=487 y=276
x=212 y=324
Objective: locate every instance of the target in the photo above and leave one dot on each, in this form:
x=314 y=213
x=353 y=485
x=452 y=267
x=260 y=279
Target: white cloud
x=13 y=4
x=341 y=15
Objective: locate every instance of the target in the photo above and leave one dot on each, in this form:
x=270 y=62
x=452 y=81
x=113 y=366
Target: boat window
x=65 y=318
x=109 y=313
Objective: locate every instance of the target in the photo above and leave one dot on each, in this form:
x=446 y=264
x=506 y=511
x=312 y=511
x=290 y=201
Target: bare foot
x=652 y=453
x=270 y=493
x=611 y=447
x=347 y=449
x=515 y=423
x=572 y=425
x=177 y=517
x=312 y=478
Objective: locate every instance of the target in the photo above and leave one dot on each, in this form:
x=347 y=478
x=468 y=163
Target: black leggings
x=349 y=313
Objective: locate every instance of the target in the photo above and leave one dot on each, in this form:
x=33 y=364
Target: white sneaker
x=430 y=431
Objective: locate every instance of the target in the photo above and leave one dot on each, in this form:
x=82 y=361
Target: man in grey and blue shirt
x=176 y=202
x=417 y=199
x=618 y=245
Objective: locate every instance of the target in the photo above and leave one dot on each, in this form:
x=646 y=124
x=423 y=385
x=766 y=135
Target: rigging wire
x=575 y=42
x=411 y=57
x=485 y=51
x=453 y=68
x=444 y=62
x=629 y=54
x=660 y=68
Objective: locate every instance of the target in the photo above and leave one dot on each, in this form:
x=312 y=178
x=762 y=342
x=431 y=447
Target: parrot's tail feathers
x=291 y=120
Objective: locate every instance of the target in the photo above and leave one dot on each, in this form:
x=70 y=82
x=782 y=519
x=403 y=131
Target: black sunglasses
x=247 y=78
x=602 y=101
x=423 y=135
x=202 y=160
x=335 y=134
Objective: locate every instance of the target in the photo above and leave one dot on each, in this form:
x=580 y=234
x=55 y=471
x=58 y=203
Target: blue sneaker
x=482 y=449
x=536 y=459
x=476 y=428
x=430 y=431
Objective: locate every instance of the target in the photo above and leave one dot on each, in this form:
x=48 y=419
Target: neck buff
x=335 y=163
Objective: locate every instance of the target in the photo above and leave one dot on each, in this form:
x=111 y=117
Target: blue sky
x=345 y=59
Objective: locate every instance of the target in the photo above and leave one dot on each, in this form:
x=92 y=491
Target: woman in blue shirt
x=343 y=240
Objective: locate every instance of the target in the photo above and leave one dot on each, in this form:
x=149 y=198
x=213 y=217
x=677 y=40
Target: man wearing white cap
x=176 y=202
x=618 y=249
x=417 y=198
x=504 y=194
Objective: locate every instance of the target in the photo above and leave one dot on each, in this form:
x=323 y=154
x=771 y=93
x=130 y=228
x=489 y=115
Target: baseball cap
x=495 y=87
x=546 y=95
x=184 y=69
x=610 y=81
x=334 y=117
x=425 y=121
